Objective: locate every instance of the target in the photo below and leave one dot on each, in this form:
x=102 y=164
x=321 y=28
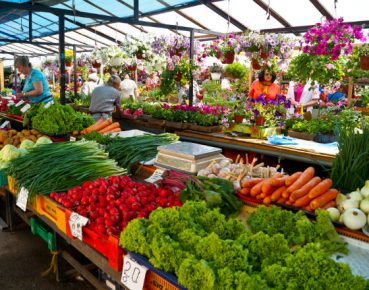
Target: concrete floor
x=23 y=257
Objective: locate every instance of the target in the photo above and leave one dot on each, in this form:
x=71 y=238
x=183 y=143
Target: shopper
x=105 y=98
x=152 y=81
x=36 y=88
x=303 y=95
x=129 y=89
x=337 y=93
x=264 y=85
x=90 y=85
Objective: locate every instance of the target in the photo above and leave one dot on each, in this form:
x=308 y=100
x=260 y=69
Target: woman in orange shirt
x=265 y=85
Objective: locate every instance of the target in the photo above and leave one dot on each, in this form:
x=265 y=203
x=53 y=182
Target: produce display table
x=226 y=140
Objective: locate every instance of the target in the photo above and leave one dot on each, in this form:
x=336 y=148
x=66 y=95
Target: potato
x=8 y=141
x=32 y=138
x=3 y=135
x=26 y=132
x=34 y=132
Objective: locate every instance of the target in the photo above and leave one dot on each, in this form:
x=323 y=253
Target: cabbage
x=43 y=140
x=9 y=152
x=26 y=144
x=22 y=151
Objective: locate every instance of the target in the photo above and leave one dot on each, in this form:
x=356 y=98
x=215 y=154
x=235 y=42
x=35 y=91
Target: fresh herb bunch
x=59 y=119
x=14 y=110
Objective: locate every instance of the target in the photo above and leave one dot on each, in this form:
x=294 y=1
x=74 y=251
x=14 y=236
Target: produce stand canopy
x=219 y=16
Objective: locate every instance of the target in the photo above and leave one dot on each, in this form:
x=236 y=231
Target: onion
x=365 y=190
x=347 y=204
x=340 y=198
x=364 y=205
x=354 y=219
x=355 y=195
x=334 y=213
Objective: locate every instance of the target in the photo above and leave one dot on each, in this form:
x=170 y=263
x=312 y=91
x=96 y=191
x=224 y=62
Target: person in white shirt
x=129 y=89
x=90 y=85
x=309 y=97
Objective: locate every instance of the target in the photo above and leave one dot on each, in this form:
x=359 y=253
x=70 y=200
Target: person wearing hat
x=105 y=98
x=90 y=85
x=36 y=88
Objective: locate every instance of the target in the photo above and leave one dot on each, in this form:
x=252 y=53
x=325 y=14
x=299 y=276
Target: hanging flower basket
x=68 y=63
x=178 y=77
x=80 y=63
x=139 y=55
x=364 y=62
x=263 y=54
x=132 y=67
x=215 y=76
x=259 y=121
x=96 y=64
x=255 y=64
x=228 y=58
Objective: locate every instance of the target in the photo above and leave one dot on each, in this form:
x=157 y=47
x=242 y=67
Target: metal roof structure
x=32 y=26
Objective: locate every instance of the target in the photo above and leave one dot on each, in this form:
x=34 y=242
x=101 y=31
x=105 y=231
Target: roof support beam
x=136 y=9
x=184 y=15
x=223 y=14
x=273 y=13
x=30 y=25
x=321 y=9
x=300 y=29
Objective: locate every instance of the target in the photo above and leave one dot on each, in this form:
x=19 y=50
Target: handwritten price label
x=6 y=123
x=48 y=104
x=25 y=108
x=157 y=175
x=77 y=222
x=133 y=274
x=19 y=103
x=22 y=199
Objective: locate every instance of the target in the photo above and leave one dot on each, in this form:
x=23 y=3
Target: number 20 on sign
x=133 y=274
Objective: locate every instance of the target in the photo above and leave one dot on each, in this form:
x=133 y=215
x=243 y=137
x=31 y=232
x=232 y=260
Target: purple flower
x=277 y=113
x=256 y=112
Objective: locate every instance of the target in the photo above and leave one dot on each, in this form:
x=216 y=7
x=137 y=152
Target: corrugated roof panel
x=350 y=10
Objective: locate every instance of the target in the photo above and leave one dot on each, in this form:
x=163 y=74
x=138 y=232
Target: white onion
x=365 y=190
x=364 y=205
x=334 y=213
x=355 y=195
x=354 y=219
x=347 y=204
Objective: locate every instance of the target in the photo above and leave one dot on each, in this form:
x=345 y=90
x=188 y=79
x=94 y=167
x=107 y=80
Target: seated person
x=265 y=85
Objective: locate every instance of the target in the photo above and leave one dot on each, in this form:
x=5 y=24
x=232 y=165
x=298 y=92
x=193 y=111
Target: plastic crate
x=108 y=246
x=155 y=278
x=3 y=179
x=12 y=185
x=41 y=229
x=54 y=212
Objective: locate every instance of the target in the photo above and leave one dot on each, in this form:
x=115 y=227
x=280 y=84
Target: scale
x=186 y=156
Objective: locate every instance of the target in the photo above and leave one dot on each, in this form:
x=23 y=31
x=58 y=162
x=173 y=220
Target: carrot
x=324 y=198
x=285 y=194
x=308 y=208
x=256 y=189
x=250 y=182
x=267 y=188
x=267 y=200
x=278 y=182
x=245 y=191
x=321 y=188
x=281 y=200
x=259 y=196
x=276 y=194
x=92 y=127
x=329 y=204
x=303 y=179
x=288 y=202
x=110 y=127
x=116 y=130
x=302 y=201
x=305 y=189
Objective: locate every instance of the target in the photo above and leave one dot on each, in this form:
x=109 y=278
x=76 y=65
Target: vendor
x=36 y=89
x=303 y=95
x=105 y=98
x=264 y=85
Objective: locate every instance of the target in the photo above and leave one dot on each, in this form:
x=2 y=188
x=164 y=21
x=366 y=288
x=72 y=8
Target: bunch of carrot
x=103 y=126
x=301 y=189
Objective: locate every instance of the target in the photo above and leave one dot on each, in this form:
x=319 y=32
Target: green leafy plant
x=236 y=70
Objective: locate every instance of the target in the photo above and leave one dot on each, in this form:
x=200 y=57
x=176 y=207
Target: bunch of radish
x=301 y=189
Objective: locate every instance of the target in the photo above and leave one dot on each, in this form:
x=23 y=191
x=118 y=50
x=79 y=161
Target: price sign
x=133 y=274
x=72 y=139
x=6 y=123
x=25 y=108
x=22 y=199
x=21 y=102
x=157 y=175
x=76 y=223
x=47 y=105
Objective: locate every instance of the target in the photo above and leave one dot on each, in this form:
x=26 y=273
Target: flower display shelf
x=145 y=117
x=129 y=117
x=175 y=125
x=301 y=135
x=206 y=129
x=157 y=122
x=259 y=132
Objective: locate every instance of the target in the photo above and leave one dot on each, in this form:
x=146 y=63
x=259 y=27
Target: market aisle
x=22 y=258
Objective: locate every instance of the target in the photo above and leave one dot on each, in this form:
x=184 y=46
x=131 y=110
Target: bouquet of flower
x=331 y=38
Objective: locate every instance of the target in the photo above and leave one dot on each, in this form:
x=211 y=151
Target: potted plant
x=68 y=57
x=216 y=71
x=236 y=70
x=363 y=52
x=223 y=48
